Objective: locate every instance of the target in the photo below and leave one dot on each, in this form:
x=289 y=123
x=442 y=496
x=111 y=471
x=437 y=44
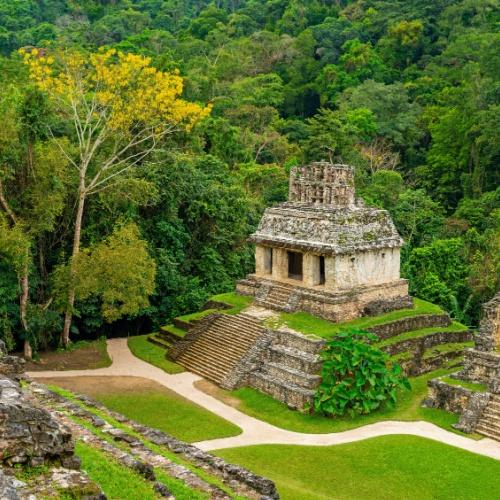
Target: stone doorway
x=295 y=266
x=322 y=270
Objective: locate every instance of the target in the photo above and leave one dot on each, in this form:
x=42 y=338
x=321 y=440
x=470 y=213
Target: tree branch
x=6 y=206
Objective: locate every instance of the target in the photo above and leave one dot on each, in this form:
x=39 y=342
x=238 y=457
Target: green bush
x=356 y=376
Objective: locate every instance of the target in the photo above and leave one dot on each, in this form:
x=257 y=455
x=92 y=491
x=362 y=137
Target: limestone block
x=263 y=260
x=280 y=264
x=488 y=337
x=311 y=269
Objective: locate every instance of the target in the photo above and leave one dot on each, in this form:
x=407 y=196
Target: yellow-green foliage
x=119 y=270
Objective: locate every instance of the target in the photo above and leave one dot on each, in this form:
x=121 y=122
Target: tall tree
x=118 y=108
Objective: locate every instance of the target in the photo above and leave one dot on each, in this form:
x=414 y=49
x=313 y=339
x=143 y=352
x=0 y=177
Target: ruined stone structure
x=321 y=252
x=31 y=436
x=479 y=410
x=324 y=252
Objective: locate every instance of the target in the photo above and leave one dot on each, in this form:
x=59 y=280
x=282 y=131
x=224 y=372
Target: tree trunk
x=23 y=306
x=76 y=249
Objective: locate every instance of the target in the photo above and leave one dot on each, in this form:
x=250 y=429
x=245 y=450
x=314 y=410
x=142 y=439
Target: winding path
x=256 y=431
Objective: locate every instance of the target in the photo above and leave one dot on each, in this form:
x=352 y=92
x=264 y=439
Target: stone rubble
x=241 y=480
x=479 y=410
x=29 y=437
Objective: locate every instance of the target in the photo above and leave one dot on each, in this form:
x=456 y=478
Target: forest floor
x=81 y=355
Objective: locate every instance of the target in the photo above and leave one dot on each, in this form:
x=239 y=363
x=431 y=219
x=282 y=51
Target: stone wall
x=322 y=183
x=482 y=367
x=371 y=267
x=488 y=337
x=452 y=398
x=28 y=433
x=396 y=327
x=430 y=340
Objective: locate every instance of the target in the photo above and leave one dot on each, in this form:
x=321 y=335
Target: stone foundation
x=393 y=328
x=452 y=398
x=480 y=411
x=482 y=367
x=334 y=306
x=289 y=368
x=488 y=337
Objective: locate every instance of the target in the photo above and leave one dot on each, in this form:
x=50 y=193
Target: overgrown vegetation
x=356 y=377
x=404 y=90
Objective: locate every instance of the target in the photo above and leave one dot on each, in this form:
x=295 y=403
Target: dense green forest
x=407 y=91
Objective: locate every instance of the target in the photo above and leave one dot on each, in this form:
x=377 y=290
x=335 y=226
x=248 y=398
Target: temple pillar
x=263 y=260
x=330 y=273
x=280 y=264
x=311 y=269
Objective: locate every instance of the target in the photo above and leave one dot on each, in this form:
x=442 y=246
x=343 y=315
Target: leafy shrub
x=356 y=376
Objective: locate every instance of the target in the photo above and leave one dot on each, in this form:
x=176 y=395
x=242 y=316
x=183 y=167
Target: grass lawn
x=197 y=315
x=237 y=301
x=408 y=408
x=151 y=404
x=117 y=481
x=153 y=354
x=173 y=329
x=388 y=467
x=309 y=324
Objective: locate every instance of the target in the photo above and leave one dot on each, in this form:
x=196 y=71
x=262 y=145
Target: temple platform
x=333 y=305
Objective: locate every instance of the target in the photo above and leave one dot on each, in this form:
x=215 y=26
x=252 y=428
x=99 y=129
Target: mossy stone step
x=425 y=338
x=159 y=341
x=391 y=329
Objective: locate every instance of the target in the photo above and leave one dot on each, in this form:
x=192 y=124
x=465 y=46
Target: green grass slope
x=385 y=468
x=307 y=323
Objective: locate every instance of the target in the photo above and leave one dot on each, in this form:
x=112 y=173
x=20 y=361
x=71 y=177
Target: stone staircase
x=219 y=344
x=277 y=298
x=489 y=423
x=290 y=368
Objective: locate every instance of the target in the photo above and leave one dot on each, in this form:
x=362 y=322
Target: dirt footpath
x=98 y=386
x=84 y=358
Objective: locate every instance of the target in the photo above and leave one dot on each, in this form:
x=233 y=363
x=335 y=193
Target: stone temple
x=325 y=252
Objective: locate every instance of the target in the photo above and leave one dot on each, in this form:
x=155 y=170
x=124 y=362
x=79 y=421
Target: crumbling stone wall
x=28 y=433
x=488 y=337
x=452 y=398
x=482 y=367
x=322 y=183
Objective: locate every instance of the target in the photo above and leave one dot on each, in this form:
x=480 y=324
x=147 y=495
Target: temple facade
x=325 y=252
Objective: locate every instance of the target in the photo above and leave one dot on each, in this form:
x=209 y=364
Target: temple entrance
x=268 y=260
x=295 y=266
x=322 y=270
